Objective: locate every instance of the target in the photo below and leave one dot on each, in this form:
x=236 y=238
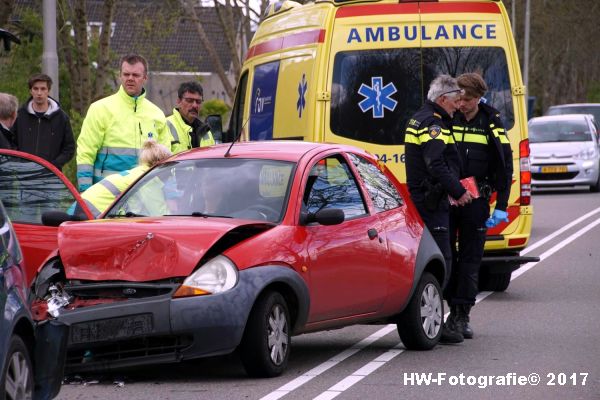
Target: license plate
x=110 y=329
x=554 y=169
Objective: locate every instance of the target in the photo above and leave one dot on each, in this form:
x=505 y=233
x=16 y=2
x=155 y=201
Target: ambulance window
x=490 y=62
x=375 y=92
x=237 y=115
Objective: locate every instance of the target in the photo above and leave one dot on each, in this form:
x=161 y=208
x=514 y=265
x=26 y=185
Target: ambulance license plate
x=557 y=169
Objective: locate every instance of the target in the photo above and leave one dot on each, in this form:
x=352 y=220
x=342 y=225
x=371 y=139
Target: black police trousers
x=467 y=239
x=437 y=222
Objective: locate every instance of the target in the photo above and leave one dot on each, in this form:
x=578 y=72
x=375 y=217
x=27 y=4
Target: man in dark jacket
x=433 y=170
x=8 y=115
x=42 y=127
x=485 y=154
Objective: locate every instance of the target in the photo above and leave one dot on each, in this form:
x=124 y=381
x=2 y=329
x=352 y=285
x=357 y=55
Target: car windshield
x=594 y=110
x=229 y=188
x=559 y=131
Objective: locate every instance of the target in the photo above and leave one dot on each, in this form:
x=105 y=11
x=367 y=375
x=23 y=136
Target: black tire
x=595 y=188
x=265 y=347
x=497 y=282
x=420 y=324
x=16 y=381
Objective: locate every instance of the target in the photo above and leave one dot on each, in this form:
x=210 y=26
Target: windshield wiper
x=128 y=214
x=198 y=214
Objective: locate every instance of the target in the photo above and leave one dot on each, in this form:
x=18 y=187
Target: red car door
x=30 y=186
x=348 y=263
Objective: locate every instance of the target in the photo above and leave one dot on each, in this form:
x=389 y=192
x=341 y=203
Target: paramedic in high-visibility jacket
x=187 y=131
x=433 y=168
x=486 y=155
x=116 y=126
x=102 y=194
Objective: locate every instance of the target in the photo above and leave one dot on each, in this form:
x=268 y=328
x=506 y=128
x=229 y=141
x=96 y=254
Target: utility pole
x=49 y=56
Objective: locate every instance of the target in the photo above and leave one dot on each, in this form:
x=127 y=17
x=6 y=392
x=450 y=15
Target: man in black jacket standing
x=485 y=153
x=42 y=127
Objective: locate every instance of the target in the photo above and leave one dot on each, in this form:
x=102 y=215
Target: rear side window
x=375 y=92
x=383 y=193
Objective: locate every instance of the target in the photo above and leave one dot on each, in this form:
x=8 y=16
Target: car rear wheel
x=17 y=377
x=420 y=324
x=265 y=347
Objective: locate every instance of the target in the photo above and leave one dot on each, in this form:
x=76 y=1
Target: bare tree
x=6 y=7
x=74 y=48
x=190 y=12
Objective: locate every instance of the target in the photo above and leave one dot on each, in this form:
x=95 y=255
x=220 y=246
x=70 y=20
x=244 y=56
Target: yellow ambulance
x=354 y=71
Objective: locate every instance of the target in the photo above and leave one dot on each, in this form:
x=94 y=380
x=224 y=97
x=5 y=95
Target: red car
x=242 y=247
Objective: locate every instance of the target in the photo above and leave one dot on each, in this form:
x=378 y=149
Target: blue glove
x=497 y=217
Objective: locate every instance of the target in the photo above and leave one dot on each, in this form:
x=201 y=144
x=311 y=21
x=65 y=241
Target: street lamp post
x=50 y=57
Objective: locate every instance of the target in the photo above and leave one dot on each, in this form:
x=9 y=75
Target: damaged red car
x=242 y=247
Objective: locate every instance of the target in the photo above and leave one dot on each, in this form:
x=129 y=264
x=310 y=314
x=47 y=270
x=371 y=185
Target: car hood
x=144 y=249
x=558 y=149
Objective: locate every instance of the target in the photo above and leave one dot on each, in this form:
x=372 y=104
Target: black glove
x=199 y=129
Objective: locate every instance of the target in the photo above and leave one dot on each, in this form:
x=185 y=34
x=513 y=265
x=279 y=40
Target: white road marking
x=372 y=366
x=548 y=238
x=360 y=373
x=319 y=369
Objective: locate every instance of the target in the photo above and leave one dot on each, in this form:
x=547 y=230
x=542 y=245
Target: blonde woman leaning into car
x=102 y=194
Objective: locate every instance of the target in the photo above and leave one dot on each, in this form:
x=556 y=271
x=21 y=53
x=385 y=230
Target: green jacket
x=112 y=134
x=181 y=132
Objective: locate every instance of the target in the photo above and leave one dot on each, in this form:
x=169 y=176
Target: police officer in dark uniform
x=485 y=153
x=432 y=168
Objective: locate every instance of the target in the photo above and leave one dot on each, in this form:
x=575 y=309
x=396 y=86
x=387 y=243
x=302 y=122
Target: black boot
x=450 y=334
x=461 y=321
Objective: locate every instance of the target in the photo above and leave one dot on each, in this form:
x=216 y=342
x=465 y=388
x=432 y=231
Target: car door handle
x=372 y=233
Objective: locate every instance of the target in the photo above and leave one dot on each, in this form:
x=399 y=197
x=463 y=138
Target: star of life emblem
x=377 y=97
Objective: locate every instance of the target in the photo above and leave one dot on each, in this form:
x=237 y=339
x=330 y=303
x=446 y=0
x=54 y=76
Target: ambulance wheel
x=420 y=324
x=496 y=282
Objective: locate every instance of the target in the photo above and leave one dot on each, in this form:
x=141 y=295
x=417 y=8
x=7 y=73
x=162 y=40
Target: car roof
x=283 y=150
x=576 y=105
x=561 y=117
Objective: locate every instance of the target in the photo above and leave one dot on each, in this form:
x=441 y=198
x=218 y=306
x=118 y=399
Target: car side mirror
x=215 y=123
x=326 y=216
x=55 y=218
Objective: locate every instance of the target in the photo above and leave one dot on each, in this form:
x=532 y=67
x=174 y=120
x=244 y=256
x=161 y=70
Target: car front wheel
x=17 y=378
x=265 y=347
x=420 y=324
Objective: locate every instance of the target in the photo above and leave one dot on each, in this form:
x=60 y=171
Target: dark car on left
x=31 y=352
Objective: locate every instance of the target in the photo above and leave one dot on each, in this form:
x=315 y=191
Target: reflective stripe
x=92 y=208
x=84 y=168
x=474 y=138
x=120 y=151
x=425 y=137
x=173 y=132
x=110 y=186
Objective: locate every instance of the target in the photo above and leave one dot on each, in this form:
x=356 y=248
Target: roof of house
x=169 y=41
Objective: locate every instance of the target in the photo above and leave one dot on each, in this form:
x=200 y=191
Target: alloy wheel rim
x=17 y=378
x=431 y=311
x=277 y=331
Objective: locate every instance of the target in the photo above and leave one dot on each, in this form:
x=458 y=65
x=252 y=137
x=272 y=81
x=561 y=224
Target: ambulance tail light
x=525 y=172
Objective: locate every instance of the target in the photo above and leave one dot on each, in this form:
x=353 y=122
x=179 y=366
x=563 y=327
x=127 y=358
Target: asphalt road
x=545 y=328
